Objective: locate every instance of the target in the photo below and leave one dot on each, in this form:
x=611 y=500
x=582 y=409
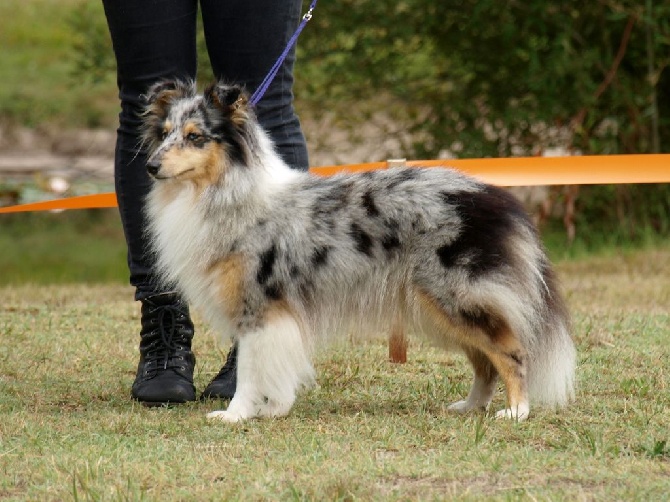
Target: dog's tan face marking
x=167 y=129
x=190 y=154
x=191 y=131
x=201 y=165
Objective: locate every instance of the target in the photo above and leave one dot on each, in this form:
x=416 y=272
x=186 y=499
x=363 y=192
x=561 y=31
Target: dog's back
x=433 y=250
x=461 y=260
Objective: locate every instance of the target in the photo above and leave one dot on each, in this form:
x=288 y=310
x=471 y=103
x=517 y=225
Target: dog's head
x=192 y=136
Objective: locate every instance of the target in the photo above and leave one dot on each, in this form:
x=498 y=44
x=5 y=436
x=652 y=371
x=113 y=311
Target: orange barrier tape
x=98 y=200
x=530 y=171
x=513 y=171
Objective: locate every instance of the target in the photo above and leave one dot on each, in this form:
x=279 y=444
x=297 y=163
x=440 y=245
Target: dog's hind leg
x=507 y=359
x=507 y=355
x=483 y=386
x=492 y=347
x=273 y=364
x=512 y=368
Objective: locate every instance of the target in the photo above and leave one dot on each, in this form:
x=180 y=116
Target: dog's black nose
x=153 y=166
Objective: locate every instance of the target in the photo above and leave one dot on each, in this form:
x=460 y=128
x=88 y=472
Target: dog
x=281 y=260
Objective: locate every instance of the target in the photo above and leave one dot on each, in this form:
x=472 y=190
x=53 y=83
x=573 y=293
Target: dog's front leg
x=273 y=364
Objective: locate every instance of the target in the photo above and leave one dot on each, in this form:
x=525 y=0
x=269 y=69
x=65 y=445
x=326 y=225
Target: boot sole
x=162 y=404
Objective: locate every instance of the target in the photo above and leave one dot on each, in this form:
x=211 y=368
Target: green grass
x=600 y=237
x=371 y=431
x=72 y=246
x=88 y=246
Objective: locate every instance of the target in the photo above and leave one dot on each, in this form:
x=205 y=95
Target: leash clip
x=258 y=93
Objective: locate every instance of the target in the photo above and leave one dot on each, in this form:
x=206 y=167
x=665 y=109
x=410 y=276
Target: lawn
x=370 y=431
x=72 y=246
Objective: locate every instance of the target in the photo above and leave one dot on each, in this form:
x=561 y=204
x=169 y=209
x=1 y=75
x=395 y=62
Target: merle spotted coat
x=281 y=260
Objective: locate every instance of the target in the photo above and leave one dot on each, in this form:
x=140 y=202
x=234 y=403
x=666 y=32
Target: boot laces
x=167 y=335
x=168 y=317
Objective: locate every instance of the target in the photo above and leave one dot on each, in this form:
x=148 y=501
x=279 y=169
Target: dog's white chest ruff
x=182 y=244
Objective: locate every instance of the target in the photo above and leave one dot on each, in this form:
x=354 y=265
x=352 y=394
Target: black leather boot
x=165 y=370
x=223 y=385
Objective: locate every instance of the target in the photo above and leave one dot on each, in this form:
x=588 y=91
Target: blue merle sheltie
x=281 y=260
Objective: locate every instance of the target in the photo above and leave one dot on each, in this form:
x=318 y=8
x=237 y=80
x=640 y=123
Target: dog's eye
x=163 y=134
x=193 y=136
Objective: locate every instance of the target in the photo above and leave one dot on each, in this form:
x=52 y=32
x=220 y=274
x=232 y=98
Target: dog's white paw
x=459 y=407
x=466 y=406
x=225 y=416
x=518 y=413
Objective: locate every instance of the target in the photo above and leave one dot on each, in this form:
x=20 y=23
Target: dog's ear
x=158 y=99
x=163 y=93
x=229 y=99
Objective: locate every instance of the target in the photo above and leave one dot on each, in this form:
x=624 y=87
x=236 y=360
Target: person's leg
x=244 y=39
x=152 y=41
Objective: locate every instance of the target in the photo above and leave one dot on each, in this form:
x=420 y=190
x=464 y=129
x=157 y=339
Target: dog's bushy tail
x=551 y=374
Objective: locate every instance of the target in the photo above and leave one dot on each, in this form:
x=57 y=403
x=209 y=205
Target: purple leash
x=258 y=93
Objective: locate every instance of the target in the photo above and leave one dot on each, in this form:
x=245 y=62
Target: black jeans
x=155 y=40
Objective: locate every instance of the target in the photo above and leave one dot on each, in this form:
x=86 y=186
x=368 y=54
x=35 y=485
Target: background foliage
x=465 y=78
x=488 y=72
x=492 y=78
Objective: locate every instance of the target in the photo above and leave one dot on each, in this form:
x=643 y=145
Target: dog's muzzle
x=153 y=166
